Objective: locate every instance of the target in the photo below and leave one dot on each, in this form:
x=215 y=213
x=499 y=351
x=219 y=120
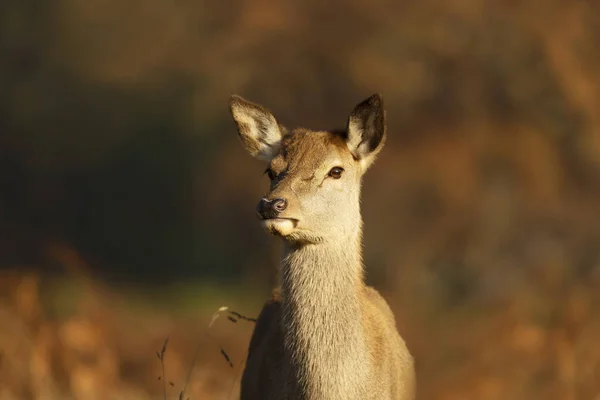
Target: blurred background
x=127 y=202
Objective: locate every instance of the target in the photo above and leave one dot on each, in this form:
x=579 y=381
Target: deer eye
x=336 y=172
x=270 y=174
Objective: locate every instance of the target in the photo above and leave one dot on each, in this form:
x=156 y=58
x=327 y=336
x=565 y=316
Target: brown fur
x=325 y=335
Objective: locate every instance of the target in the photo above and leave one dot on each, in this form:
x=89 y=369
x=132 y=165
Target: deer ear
x=366 y=130
x=257 y=127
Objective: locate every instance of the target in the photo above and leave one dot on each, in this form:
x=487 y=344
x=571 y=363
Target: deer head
x=315 y=175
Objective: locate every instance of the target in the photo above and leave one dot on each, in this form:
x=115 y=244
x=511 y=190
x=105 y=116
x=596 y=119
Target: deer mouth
x=279 y=226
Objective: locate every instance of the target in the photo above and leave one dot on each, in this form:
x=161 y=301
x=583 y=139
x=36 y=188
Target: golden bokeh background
x=127 y=202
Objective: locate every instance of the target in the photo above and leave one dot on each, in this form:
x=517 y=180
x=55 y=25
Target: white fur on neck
x=322 y=320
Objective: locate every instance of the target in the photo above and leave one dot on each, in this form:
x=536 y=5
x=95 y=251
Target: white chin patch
x=282 y=227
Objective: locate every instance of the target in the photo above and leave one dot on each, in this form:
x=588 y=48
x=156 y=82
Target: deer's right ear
x=259 y=130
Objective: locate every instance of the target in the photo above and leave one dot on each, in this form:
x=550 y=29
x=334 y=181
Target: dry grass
x=100 y=350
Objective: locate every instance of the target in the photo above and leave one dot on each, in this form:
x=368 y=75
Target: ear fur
x=257 y=127
x=366 y=130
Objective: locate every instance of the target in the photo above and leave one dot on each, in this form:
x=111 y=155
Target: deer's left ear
x=366 y=130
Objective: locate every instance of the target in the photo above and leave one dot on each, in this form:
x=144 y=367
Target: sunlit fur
x=324 y=334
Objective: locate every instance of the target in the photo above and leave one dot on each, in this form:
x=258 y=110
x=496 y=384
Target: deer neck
x=322 y=288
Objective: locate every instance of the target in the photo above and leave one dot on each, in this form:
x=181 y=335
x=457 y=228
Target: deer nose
x=279 y=205
x=271 y=208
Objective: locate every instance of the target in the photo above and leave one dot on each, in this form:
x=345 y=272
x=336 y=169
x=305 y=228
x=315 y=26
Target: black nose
x=279 y=205
x=271 y=208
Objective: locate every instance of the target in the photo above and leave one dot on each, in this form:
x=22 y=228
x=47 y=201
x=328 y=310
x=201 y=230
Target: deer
x=324 y=333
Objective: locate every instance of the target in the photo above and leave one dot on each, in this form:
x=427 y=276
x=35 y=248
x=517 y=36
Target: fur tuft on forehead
x=312 y=147
x=302 y=137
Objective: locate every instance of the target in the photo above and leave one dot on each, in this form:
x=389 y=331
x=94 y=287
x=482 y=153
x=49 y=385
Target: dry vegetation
x=99 y=345
x=482 y=214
